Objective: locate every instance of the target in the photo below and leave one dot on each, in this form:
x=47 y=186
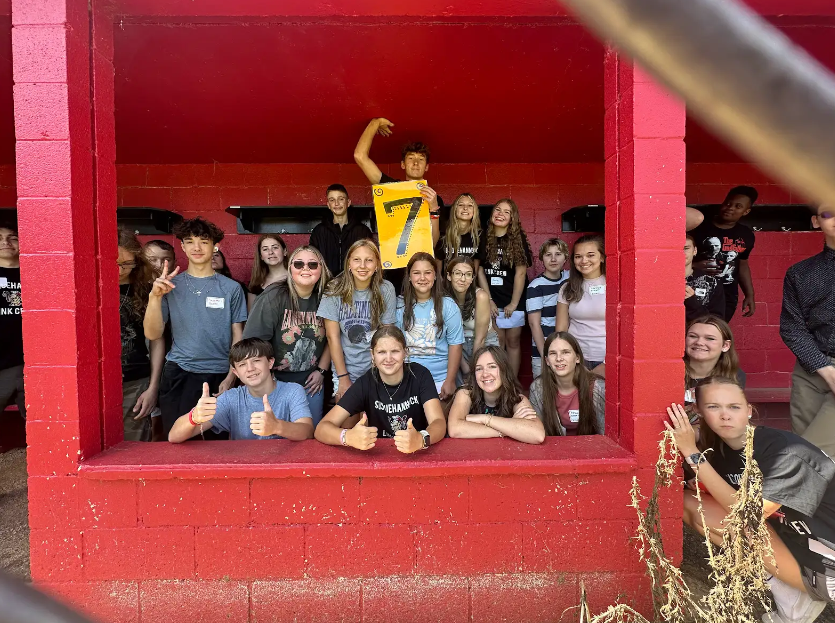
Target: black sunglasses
x=299 y=264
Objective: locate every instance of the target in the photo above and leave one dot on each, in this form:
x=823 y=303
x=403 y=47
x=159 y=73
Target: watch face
x=425 y=438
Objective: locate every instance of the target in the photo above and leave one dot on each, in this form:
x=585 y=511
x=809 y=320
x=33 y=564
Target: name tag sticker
x=496 y=281
x=700 y=292
x=214 y=302
x=573 y=415
x=3 y=282
x=597 y=290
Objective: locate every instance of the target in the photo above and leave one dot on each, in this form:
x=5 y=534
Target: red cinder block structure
x=209 y=104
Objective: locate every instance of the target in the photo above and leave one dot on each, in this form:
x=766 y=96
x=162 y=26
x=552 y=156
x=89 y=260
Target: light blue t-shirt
x=236 y=406
x=426 y=347
x=201 y=324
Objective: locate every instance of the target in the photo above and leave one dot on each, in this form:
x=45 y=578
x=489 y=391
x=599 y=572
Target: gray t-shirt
x=355 y=325
x=201 y=324
x=236 y=406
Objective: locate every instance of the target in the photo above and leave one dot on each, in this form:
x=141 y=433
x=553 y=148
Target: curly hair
x=511 y=389
x=198 y=228
x=343 y=284
x=573 y=288
x=514 y=243
x=141 y=276
x=468 y=308
x=410 y=296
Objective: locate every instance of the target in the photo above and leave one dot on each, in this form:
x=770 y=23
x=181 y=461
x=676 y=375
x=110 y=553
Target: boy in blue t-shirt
x=263 y=409
x=542 y=293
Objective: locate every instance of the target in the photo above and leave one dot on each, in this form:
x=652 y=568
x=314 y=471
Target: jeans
x=316 y=403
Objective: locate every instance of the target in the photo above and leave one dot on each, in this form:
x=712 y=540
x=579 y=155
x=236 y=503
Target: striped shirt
x=542 y=297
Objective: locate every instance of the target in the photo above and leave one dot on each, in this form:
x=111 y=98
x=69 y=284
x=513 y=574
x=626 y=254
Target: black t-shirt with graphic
x=500 y=274
x=797 y=475
x=11 y=321
x=708 y=297
x=466 y=248
x=135 y=362
x=725 y=247
x=389 y=407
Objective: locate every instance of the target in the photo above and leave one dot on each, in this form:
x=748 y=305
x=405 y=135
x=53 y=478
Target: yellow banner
x=403 y=224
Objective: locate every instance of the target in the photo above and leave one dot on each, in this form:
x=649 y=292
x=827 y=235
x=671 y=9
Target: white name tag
x=573 y=415
x=597 y=290
x=700 y=292
x=3 y=282
x=214 y=302
x=496 y=281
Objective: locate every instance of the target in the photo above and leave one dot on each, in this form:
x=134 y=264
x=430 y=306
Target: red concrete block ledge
x=287 y=459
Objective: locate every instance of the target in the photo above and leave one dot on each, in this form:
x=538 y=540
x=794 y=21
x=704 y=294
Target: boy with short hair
x=157 y=252
x=264 y=408
x=206 y=311
x=11 y=326
x=542 y=297
x=338 y=231
x=807 y=326
x=723 y=245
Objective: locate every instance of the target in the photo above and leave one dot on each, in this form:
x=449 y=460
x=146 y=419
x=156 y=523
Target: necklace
x=390 y=395
x=199 y=292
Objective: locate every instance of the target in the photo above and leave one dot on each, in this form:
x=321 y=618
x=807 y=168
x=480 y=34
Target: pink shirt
x=569 y=409
x=587 y=318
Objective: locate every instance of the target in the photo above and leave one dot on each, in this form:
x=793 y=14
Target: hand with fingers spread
x=683 y=433
x=163 y=284
x=362 y=436
x=409 y=440
x=264 y=423
x=206 y=407
x=384 y=126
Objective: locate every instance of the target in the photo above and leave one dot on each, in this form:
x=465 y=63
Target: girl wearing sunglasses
x=285 y=315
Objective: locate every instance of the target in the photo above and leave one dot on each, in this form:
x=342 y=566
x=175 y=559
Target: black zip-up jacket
x=334 y=241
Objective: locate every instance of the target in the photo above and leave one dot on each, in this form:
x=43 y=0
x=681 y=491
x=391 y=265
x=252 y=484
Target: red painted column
x=645 y=210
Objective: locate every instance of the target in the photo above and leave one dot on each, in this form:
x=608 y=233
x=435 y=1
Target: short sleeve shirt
x=725 y=247
x=426 y=346
x=542 y=297
x=236 y=406
x=587 y=318
x=389 y=407
x=500 y=274
x=355 y=325
x=202 y=311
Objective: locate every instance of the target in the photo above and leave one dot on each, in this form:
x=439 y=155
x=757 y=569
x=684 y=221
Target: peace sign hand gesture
x=163 y=284
x=264 y=423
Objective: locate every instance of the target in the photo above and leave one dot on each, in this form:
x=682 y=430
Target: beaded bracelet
x=343 y=437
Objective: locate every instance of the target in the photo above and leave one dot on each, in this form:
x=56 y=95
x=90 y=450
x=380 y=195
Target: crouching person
x=393 y=399
x=263 y=408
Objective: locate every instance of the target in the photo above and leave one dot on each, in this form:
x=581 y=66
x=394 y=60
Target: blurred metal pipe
x=20 y=603
x=738 y=74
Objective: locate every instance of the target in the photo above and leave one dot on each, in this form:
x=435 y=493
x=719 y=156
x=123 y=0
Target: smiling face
x=488 y=374
x=422 y=278
x=562 y=359
x=587 y=259
x=734 y=208
x=254 y=371
x=9 y=244
x=362 y=264
x=461 y=277
x=272 y=253
x=388 y=356
x=198 y=250
x=502 y=215
x=724 y=409
x=305 y=277
x=704 y=343
x=338 y=202
x=415 y=166
x=465 y=209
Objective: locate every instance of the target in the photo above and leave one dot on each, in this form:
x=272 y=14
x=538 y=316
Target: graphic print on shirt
x=703 y=286
x=126 y=311
x=724 y=253
x=302 y=331
x=397 y=413
x=356 y=319
x=422 y=338
x=12 y=297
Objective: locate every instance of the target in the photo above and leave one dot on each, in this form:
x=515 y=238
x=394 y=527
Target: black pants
x=731 y=300
x=179 y=392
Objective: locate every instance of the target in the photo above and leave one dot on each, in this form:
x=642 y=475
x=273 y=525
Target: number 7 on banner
x=389 y=207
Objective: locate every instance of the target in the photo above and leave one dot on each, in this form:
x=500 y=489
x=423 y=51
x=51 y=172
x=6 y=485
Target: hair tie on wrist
x=191 y=419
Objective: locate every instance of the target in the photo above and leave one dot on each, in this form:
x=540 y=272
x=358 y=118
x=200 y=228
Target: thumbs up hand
x=264 y=423
x=362 y=436
x=409 y=440
x=206 y=407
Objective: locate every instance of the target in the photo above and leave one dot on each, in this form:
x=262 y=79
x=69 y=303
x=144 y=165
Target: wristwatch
x=695 y=459
x=321 y=371
x=426 y=440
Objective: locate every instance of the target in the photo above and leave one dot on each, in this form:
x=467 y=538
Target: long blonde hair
x=343 y=284
x=454 y=229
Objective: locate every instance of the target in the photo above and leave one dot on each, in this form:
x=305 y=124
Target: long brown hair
x=468 y=308
x=583 y=380
x=514 y=242
x=454 y=228
x=260 y=270
x=343 y=284
x=141 y=276
x=573 y=288
x=410 y=296
x=728 y=364
x=510 y=394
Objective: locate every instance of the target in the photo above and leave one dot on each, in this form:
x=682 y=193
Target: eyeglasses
x=130 y=265
x=461 y=275
x=826 y=215
x=299 y=265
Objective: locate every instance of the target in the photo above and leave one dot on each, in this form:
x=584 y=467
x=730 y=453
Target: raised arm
x=361 y=151
x=693 y=218
x=153 y=323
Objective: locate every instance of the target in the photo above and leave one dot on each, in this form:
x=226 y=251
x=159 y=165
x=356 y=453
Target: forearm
x=536 y=332
x=693 y=218
x=152 y=323
x=518 y=285
x=363 y=148
x=482 y=280
x=520 y=429
x=745 y=280
x=436 y=230
x=328 y=433
x=325 y=359
x=454 y=361
x=295 y=431
x=335 y=347
x=183 y=430
x=157 y=361
x=462 y=429
x=721 y=491
x=437 y=431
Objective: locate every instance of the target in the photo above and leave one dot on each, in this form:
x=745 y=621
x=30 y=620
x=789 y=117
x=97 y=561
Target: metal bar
x=739 y=75
x=20 y=603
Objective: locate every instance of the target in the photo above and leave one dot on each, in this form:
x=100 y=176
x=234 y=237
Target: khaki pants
x=135 y=430
x=813 y=409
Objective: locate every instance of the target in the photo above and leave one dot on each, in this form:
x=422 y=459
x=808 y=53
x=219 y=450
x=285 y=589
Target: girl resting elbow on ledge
x=393 y=399
x=492 y=405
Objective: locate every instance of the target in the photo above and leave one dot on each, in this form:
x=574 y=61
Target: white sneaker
x=793 y=605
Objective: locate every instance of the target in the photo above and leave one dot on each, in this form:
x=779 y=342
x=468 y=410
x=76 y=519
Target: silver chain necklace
x=385 y=387
x=199 y=292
